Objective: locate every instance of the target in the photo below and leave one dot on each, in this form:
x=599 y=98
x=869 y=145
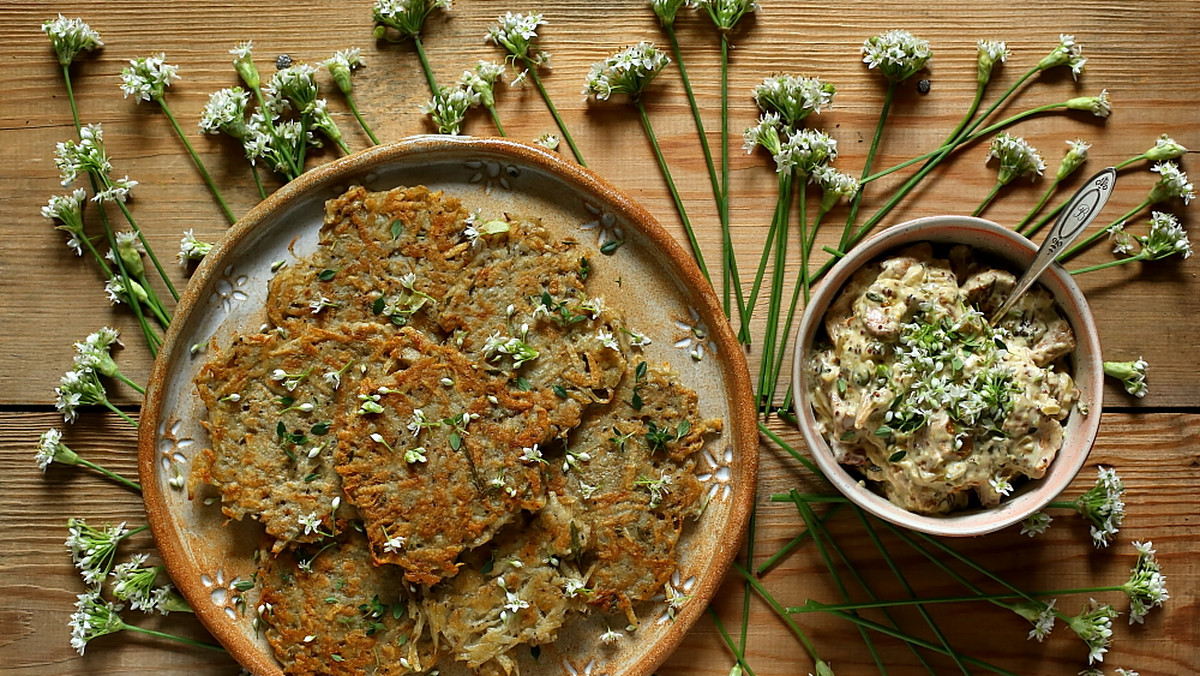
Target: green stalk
x=133 y=485
x=795 y=542
x=1109 y=264
x=125 y=379
x=496 y=119
x=1092 y=238
x=729 y=259
x=921 y=643
x=731 y=276
x=970 y=112
x=766 y=391
x=774 y=605
x=988 y=200
x=738 y=654
x=361 y=122
x=801 y=286
x=146 y=245
x=1041 y=223
x=783 y=205
x=662 y=164
x=152 y=339
x=856 y=201
x=537 y=81
x=212 y=186
x=433 y=86
x=810 y=522
x=124 y=416
x=187 y=641
x=817 y=607
x=1038 y=207
x=791 y=451
x=908 y=589
x=262 y=191
x=302 y=142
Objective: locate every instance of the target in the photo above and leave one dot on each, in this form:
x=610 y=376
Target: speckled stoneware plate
x=1080 y=430
x=649 y=278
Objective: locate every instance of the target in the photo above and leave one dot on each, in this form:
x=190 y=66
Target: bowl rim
x=1072 y=303
x=741 y=430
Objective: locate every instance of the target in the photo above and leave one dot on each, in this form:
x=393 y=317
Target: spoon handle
x=1083 y=208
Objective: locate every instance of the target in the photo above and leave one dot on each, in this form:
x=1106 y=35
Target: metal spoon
x=1083 y=208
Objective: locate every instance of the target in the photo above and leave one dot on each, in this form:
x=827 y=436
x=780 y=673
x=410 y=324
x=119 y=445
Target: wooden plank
x=1148 y=96
x=1157 y=455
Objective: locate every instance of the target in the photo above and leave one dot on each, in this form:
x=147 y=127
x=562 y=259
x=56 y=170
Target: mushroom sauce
x=912 y=387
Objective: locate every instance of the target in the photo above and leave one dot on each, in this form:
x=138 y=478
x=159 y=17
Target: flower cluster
x=516 y=33
x=406 y=17
x=341 y=64
x=147 y=78
x=1094 y=625
x=897 y=54
x=1016 y=157
x=1147 y=586
x=990 y=52
x=192 y=249
x=93 y=549
x=448 y=108
x=1076 y=156
x=68 y=211
x=793 y=97
x=1172 y=182
x=86 y=156
x=805 y=150
x=1166 y=237
x=93 y=617
x=133 y=581
x=1103 y=505
x=1067 y=53
x=628 y=71
x=69 y=37
x=726 y=14
x=1100 y=106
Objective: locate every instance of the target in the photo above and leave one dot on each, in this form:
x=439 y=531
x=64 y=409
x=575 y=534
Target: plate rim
x=741 y=429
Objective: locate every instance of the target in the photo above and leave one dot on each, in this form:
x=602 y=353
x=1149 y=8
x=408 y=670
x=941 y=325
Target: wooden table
x=1146 y=57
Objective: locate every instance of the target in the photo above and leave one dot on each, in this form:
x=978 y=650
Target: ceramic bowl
x=649 y=278
x=1085 y=365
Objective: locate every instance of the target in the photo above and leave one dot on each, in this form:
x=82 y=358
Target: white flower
x=1103 y=506
x=147 y=78
x=990 y=51
x=1076 y=156
x=516 y=33
x=765 y=134
x=117 y=191
x=666 y=10
x=93 y=549
x=481 y=80
x=93 y=617
x=94 y=353
x=192 y=249
x=804 y=150
x=835 y=185
x=68 y=210
x=1100 y=106
x=607 y=339
x=1043 y=624
x=340 y=66
x=725 y=14
x=78 y=387
x=793 y=97
x=611 y=637
x=311 y=523
x=628 y=71
x=320 y=304
x=1001 y=485
x=1132 y=375
x=1172 y=182
x=1122 y=241
x=1094 y=625
x=297 y=83
x=50 y=449
x=69 y=37
x=897 y=54
x=1067 y=53
x=1165 y=148
x=448 y=108
x=548 y=141
x=1016 y=157
x=393 y=544
x=1036 y=524
x=87 y=155
x=405 y=16
x=1147 y=586
x=532 y=454
x=415 y=455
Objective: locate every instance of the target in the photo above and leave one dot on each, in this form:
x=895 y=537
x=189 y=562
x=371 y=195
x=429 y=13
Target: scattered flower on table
x=793 y=97
x=726 y=14
x=1075 y=157
x=1016 y=158
x=1067 y=53
x=93 y=549
x=1132 y=375
x=1100 y=106
x=192 y=249
x=1165 y=148
x=341 y=65
x=1103 y=505
x=1036 y=524
x=406 y=17
x=93 y=617
x=1147 y=586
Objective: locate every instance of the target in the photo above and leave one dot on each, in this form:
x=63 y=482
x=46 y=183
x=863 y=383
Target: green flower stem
x=162 y=101
x=1041 y=223
x=908 y=589
x=262 y=191
x=173 y=637
x=128 y=483
x=795 y=542
x=361 y=122
x=96 y=254
x=1062 y=504
x=124 y=416
x=729 y=259
x=1109 y=264
x=791 y=451
x=341 y=144
x=1099 y=234
x=662 y=164
x=920 y=643
x=783 y=205
x=738 y=653
x=153 y=303
x=495 y=119
x=146 y=245
x=802 y=286
x=302 y=142
x=766 y=388
x=810 y=522
x=152 y=339
x=810 y=497
x=750 y=529
x=125 y=379
x=731 y=276
x=537 y=82
x=1132 y=160
x=774 y=605
x=988 y=200
x=811 y=606
x=1038 y=207
x=966 y=119
x=421 y=56
x=856 y=201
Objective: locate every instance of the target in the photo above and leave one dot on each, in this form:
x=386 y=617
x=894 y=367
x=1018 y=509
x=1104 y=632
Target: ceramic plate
x=648 y=277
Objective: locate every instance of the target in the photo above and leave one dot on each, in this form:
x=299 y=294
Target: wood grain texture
x=1144 y=56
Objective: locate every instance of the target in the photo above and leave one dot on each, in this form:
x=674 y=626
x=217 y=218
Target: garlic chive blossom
x=406 y=17
x=1100 y=106
x=1067 y=53
x=147 y=78
x=991 y=52
x=666 y=10
x=1132 y=375
x=793 y=97
x=726 y=14
x=68 y=211
x=1147 y=586
x=628 y=71
x=897 y=54
x=1016 y=158
x=68 y=37
x=1094 y=625
x=448 y=108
